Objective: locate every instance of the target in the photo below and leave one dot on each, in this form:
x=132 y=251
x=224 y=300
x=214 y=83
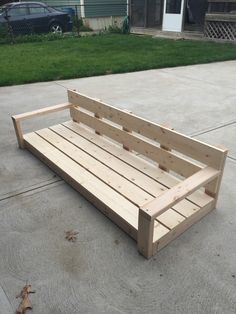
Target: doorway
x=154 y=13
x=147 y=13
x=195 y=15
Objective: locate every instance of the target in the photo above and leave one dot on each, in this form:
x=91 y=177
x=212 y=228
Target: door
x=39 y=17
x=173 y=15
x=17 y=17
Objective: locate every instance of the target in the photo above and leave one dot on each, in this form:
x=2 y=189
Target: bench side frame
x=150 y=211
x=16 y=119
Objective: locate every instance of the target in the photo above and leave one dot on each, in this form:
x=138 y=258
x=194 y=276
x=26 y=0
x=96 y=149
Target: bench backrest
x=170 y=149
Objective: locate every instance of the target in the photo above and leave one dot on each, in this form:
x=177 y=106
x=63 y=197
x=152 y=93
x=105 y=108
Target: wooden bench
x=150 y=180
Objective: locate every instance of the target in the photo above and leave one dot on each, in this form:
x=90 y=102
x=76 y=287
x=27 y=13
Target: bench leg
x=213 y=187
x=19 y=134
x=145 y=236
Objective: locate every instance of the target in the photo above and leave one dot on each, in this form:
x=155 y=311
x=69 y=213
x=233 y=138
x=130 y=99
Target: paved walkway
x=102 y=272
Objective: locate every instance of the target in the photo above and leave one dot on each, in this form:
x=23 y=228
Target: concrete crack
x=30 y=190
x=213 y=128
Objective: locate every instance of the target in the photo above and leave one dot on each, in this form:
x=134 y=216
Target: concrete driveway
x=102 y=272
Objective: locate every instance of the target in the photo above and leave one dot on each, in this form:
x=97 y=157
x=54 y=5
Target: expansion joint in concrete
x=213 y=129
x=30 y=190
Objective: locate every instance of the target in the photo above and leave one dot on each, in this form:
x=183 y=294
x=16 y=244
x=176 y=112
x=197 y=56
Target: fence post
x=9 y=28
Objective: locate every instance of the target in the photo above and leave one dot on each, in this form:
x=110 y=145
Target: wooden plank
x=179 y=165
x=159 y=231
x=193 y=148
x=154 y=208
x=186 y=210
x=19 y=133
x=166 y=148
x=129 y=190
x=125 y=170
x=212 y=188
x=161 y=166
x=161 y=239
x=170 y=219
x=198 y=197
x=145 y=236
x=41 y=112
x=111 y=203
x=138 y=178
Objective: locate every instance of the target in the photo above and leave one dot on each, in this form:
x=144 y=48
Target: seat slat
x=70 y=170
x=81 y=179
x=170 y=219
x=107 y=175
x=199 y=197
x=133 y=175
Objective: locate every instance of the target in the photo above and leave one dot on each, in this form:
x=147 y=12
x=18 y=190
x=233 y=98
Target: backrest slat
x=171 y=161
x=207 y=154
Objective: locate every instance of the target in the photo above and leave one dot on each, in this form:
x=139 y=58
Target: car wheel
x=56 y=28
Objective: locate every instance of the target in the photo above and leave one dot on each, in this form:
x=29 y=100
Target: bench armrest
x=31 y=114
x=171 y=197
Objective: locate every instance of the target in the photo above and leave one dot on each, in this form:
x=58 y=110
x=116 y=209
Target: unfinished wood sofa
x=150 y=180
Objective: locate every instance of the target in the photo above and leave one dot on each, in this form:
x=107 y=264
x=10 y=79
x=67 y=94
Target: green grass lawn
x=104 y=54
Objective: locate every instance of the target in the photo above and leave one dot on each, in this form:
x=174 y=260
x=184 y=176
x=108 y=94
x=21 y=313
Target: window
x=222 y=7
x=173 y=6
x=232 y=7
x=18 y=10
x=38 y=9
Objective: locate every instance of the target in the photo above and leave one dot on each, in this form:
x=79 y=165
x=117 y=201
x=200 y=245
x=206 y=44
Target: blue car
x=34 y=17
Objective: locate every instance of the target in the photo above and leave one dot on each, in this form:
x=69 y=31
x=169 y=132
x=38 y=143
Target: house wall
x=102 y=8
x=61 y=2
x=101 y=23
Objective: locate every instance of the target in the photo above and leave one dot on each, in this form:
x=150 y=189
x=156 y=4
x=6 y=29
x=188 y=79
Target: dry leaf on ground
x=71 y=235
x=25 y=302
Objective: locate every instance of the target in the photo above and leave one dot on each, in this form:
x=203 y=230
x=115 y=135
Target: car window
x=38 y=9
x=2 y=9
x=18 y=10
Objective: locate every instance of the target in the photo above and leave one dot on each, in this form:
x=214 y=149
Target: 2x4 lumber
x=19 y=133
x=111 y=178
x=111 y=203
x=213 y=187
x=193 y=148
x=156 y=207
x=161 y=166
x=162 y=238
x=143 y=181
x=129 y=190
x=41 y=112
x=198 y=197
x=166 y=148
x=127 y=171
x=145 y=236
x=171 y=161
x=170 y=218
x=16 y=119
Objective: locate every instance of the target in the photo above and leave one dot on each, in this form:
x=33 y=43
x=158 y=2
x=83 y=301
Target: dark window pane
x=232 y=7
x=173 y=6
x=38 y=9
x=217 y=7
x=18 y=10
